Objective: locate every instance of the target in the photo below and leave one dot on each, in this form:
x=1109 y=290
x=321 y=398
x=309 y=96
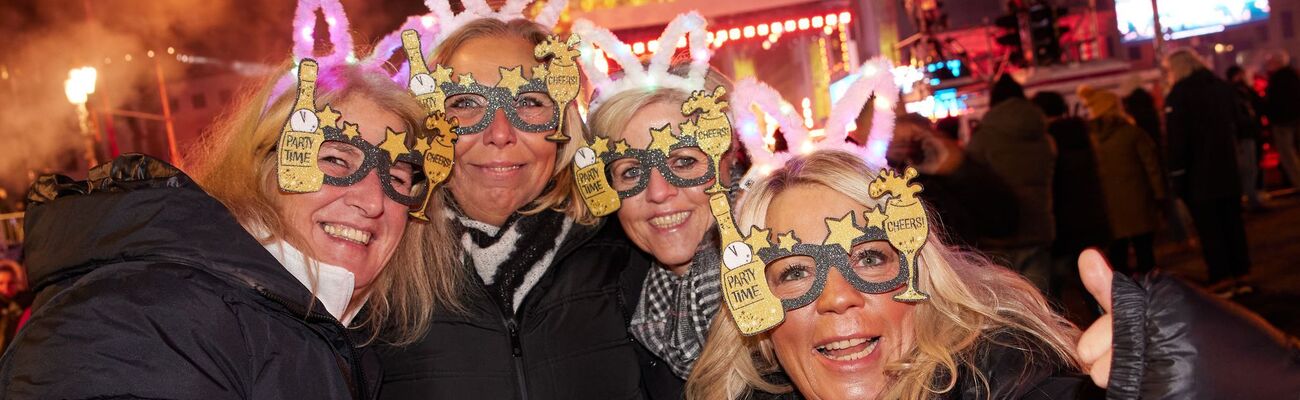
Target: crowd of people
x=1107 y=174
x=473 y=235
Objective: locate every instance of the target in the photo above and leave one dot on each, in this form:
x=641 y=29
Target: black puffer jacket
x=569 y=339
x=1175 y=342
x=148 y=288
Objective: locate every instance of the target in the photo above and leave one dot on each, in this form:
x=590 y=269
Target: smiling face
x=356 y=227
x=836 y=347
x=664 y=220
x=502 y=169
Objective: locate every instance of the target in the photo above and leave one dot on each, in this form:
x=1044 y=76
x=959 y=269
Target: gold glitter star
x=351 y=130
x=328 y=117
x=787 y=241
x=441 y=74
x=758 y=239
x=540 y=71
x=394 y=143
x=422 y=145
x=620 y=146
x=842 y=232
x=512 y=78
x=875 y=217
x=466 y=79
x=601 y=145
x=662 y=139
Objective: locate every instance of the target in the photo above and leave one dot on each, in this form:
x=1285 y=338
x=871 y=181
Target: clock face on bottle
x=422 y=84
x=736 y=255
x=585 y=157
x=304 y=120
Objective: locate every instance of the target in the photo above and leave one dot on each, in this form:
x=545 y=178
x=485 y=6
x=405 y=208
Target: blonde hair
x=970 y=301
x=614 y=113
x=1183 y=63
x=238 y=168
x=562 y=195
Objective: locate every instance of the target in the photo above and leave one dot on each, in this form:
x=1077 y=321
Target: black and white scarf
x=672 y=317
x=511 y=258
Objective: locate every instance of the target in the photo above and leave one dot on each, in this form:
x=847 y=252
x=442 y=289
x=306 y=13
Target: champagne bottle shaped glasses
x=426 y=85
x=301 y=138
x=744 y=283
x=906 y=224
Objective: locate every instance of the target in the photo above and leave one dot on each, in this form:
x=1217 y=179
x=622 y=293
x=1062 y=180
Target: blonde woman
x=985 y=332
x=153 y=284
x=551 y=288
x=665 y=212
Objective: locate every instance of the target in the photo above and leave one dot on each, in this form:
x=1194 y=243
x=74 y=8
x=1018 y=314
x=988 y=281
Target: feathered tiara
x=688 y=28
x=873 y=78
x=478 y=9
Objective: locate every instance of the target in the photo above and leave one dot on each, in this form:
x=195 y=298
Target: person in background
x=1201 y=117
x=1282 y=107
x=1130 y=179
x=1141 y=105
x=973 y=202
x=1079 y=204
x=1249 y=127
x=11 y=309
x=1012 y=140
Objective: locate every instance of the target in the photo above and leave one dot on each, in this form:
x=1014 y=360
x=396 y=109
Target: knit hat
x=1100 y=103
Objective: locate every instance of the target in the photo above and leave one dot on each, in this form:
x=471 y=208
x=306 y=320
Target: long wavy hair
x=562 y=194
x=970 y=300
x=237 y=166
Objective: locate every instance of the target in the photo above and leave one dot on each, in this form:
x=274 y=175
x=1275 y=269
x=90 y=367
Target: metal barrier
x=11 y=230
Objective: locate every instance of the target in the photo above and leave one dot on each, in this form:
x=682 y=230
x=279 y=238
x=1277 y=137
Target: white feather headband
x=479 y=9
x=874 y=78
x=689 y=26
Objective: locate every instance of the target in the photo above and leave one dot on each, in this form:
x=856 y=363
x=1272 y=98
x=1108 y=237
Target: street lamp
x=79 y=86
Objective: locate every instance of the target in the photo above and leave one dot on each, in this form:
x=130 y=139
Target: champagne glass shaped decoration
x=905 y=223
x=711 y=129
x=436 y=143
x=562 y=78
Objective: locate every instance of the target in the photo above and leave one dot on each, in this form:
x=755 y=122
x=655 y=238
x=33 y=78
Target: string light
x=769 y=32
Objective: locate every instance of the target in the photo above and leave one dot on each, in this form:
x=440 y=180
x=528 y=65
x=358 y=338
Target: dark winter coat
x=1077 y=197
x=1201 y=116
x=568 y=340
x=1172 y=342
x=1012 y=140
x=149 y=288
x=1282 y=98
x=1130 y=176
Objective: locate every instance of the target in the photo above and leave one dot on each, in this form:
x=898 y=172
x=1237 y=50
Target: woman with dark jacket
x=1131 y=180
x=552 y=289
x=151 y=284
x=850 y=331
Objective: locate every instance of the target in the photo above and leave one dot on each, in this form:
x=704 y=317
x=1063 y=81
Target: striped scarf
x=672 y=317
x=511 y=258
